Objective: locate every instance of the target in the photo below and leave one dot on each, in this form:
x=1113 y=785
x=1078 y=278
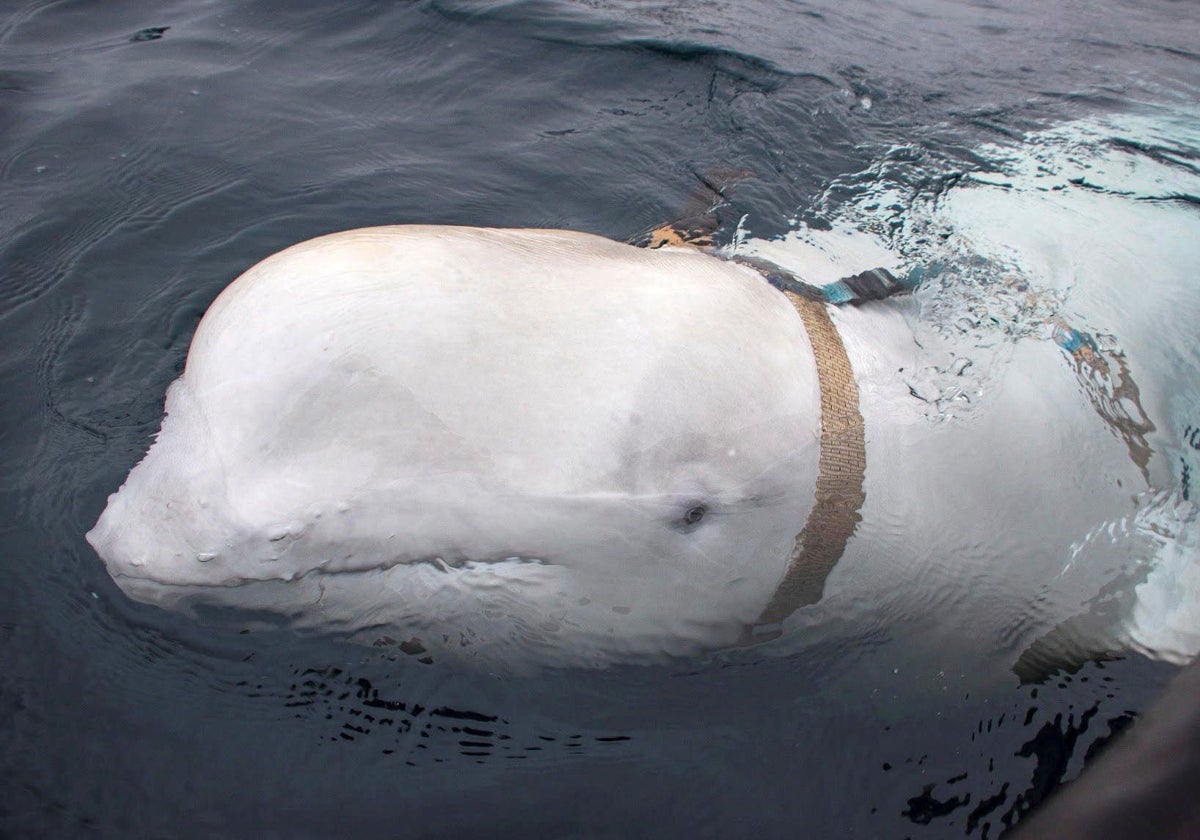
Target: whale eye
x=688 y=516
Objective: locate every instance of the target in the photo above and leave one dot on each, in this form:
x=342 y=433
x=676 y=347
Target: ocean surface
x=151 y=153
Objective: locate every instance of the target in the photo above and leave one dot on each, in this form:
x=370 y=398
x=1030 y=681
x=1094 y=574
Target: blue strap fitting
x=837 y=293
x=874 y=284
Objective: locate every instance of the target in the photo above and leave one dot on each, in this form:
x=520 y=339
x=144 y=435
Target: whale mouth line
x=439 y=563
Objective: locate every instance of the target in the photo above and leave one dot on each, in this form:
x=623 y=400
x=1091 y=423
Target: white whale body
x=548 y=447
x=570 y=447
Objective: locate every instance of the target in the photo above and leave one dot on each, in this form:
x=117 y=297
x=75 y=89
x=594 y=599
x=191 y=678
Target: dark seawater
x=150 y=153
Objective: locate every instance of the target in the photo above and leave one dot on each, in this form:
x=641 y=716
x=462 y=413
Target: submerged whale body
x=547 y=446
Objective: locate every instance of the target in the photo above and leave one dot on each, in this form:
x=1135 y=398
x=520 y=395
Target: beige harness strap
x=842 y=462
x=841 y=470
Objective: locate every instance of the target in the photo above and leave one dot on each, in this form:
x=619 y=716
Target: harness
x=841 y=468
x=842 y=458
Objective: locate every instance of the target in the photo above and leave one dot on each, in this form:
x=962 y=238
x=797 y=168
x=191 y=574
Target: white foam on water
x=824 y=256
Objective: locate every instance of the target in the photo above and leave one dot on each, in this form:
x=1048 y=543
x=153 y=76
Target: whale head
x=500 y=439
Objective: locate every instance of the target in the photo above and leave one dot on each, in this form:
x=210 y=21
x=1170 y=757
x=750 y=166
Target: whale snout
x=136 y=555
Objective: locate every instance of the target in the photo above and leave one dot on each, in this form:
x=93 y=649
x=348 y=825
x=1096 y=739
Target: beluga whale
x=548 y=447
x=499 y=437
